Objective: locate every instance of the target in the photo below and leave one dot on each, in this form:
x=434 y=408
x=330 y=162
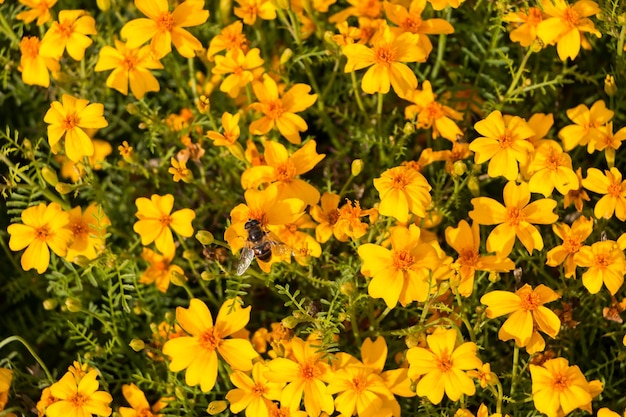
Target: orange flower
x=33 y=65
x=249 y=10
x=431 y=114
x=403 y=190
x=526 y=22
x=230 y=38
x=573 y=239
x=39 y=9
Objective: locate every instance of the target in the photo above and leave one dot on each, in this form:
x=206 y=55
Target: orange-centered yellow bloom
x=249 y=10
x=442 y=366
x=526 y=310
x=39 y=9
x=386 y=57
x=164 y=27
x=606 y=264
x=33 y=65
x=558 y=388
x=503 y=144
x=280 y=112
x=230 y=38
x=160 y=271
x=527 y=21
x=130 y=67
x=198 y=352
x=566 y=25
x=614 y=189
x=68 y=118
x=586 y=121
x=254 y=393
x=607 y=141
x=140 y=405
x=515 y=218
x=573 y=239
x=403 y=190
x=88 y=232
x=43 y=228
x=551 y=168
x=239 y=69
x=70 y=33
x=78 y=397
x=155 y=222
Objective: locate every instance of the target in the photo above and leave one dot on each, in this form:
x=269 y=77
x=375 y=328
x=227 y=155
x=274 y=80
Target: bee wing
x=280 y=249
x=247 y=255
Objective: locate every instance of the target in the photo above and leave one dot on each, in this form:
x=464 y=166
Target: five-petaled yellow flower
x=78 y=397
x=253 y=393
x=613 y=202
x=43 y=228
x=606 y=265
x=39 y=9
x=33 y=65
x=197 y=353
x=573 y=238
x=403 y=190
x=68 y=118
x=70 y=33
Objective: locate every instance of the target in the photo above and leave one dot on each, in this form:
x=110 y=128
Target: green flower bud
x=74 y=305
x=50 y=176
x=137 y=345
x=205 y=237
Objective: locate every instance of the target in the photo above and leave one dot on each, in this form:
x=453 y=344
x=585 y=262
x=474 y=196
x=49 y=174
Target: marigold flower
x=70 y=33
x=526 y=310
x=465 y=240
x=78 y=397
x=42 y=228
x=558 y=388
x=304 y=373
x=231 y=38
x=6 y=376
x=515 y=218
x=431 y=114
x=403 y=190
x=607 y=141
x=401 y=273
x=76 y=170
x=442 y=366
x=130 y=67
x=302 y=245
x=88 y=232
x=484 y=375
x=39 y=9
x=180 y=171
x=370 y=9
x=573 y=239
x=566 y=24
x=442 y=4
x=614 y=189
x=163 y=27
x=160 y=271
x=282 y=170
x=155 y=222
x=197 y=353
x=360 y=391
x=386 y=57
x=577 y=196
x=250 y=10
x=526 y=22
x=551 y=168
x=241 y=70
x=253 y=394
x=503 y=144
x=586 y=121
x=139 y=406
x=606 y=264
x=347 y=34
x=280 y=112
x=68 y=118
x=33 y=65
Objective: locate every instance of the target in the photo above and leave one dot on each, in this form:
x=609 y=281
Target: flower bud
x=289 y=322
x=74 y=305
x=473 y=185
x=356 y=167
x=50 y=304
x=459 y=168
x=216 y=407
x=63 y=188
x=177 y=279
x=207 y=276
x=203 y=104
x=137 y=345
x=610 y=88
x=104 y=5
x=50 y=176
x=347 y=288
x=132 y=109
x=286 y=56
x=205 y=237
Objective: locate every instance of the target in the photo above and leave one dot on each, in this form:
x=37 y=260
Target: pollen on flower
x=274 y=109
x=506 y=140
x=411 y=24
x=165 y=22
x=384 y=54
x=30 y=47
x=614 y=189
x=359 y=384
x=42 y=233
x=308 y=371
x=560 y=382
x=209 y=339
x=529 y=300
x=259 y=390
x=166 y=220
x=65 y=29
x=571 y=17
x=572 y=244
x=534 y=16
x=400 y=180
x=468 y=258
x=402 y=260
x=286 y=171
x=601 y=261
x=79 y=229
x=514 y=216
x=444 y=363
x=79 y=400
x=70 y=121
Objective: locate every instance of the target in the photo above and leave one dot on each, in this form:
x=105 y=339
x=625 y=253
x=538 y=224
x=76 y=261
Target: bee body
x=258 y=244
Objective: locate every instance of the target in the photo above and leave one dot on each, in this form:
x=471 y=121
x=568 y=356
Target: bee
x=258 y=244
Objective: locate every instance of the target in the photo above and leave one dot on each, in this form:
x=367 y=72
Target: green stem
x=6 y=29
x=31 y=351
x=514 y=371
x=441 y=46
x=518 y=74
x=357 y=93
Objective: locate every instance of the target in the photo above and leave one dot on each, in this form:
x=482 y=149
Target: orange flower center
x=78 y=400
x=165 y=220
x=444 y=363
x=384 y=54
x=601 y=260
x=399 y=180
x=210 y=339
x=42 y=233
x=130 y=60
x=79 y=229
x=259 y=390
x=514 y=216
x=308 y=371
x=71 y=121
x=234 y=40
x=468 y=258
x=359 y=384
x=29 y=46
x=411 y=24
x=571 y=17
x=402 y=260
x=614 y=189
x=534 y=16
x=274 y=109
x=285 y=172
x=554 y=160
x=507 y=139
x=529 y=301
x=144 y=412
x=165 y=22
x=434 y=111
x=259 y=216
x=560 y=382
x=65 y=29
x=572 y=244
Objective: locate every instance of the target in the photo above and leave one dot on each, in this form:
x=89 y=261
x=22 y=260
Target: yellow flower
x=503 y=144
x=573 y=239
x=39 y=9
x=43 y=228
x=526 y=22
x=605 y=412
x=70 y=33
x=349 y=222
x=614 y=189
x=402 y=273
x=431 y=114
x=578 y=195
x=231 y=38
x=586 y=121
x=249 y=10
x=607 y=141
x=180 y=171
x=140 y=406
x=76 y=170
x=302 y=245
x=515 y=218
x=368 y=9
x=484 y=376
x=305 y=373
x=78 y=397
x=230 y=124
x=526 y=310
x=442 y=366
x=551 y=168
x=558 y=388
x=160 y=271
x=606 y=264
x=88 y=232
x=280 y=112
x=253 y=394
x=68 y=118
x=33 y=65
x=130 y=66
x=197 y=353
x=403 y=190
x=164 y=27
x=566 y=24
x=6 y=376
x=465 y=240
x=282 y=170
x=155 y=222
x=386 y=57
x=239 y=67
